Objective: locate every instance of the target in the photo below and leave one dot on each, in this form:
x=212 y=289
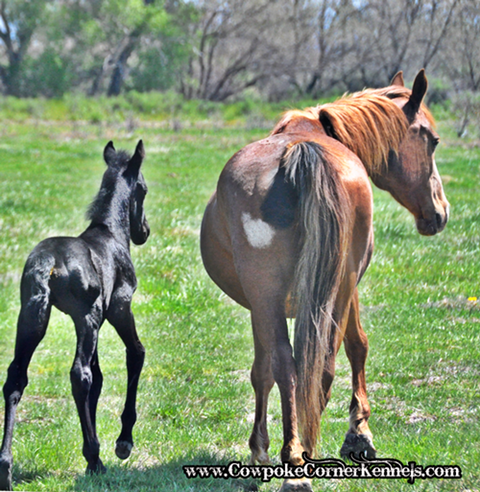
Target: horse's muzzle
x=140 y=237
x=432 y=225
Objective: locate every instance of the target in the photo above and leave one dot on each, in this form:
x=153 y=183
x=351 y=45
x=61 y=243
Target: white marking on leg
x=259 y=233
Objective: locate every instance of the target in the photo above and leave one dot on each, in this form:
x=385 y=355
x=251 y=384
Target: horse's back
x=255 y=171
x=63 y=268
x=253 y=187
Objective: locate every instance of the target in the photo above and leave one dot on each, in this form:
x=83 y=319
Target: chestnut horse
x=288 y=233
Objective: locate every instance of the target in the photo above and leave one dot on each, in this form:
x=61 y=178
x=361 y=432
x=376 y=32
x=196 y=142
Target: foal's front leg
x=86 y=382
x=121 y=318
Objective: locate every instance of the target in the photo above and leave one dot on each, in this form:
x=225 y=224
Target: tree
x=216 y=49
x=462 y=58
x=19 y=20
x=233 y=47
x=98 y=38
x=122 y=24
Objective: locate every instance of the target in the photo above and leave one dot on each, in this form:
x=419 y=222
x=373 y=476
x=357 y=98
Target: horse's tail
x=35 y=285
x=323 y=229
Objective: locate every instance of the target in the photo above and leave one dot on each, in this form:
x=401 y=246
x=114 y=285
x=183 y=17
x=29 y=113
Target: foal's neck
x=111 y=211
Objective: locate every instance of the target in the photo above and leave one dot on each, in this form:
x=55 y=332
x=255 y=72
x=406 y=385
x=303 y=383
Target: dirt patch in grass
x=458 y=303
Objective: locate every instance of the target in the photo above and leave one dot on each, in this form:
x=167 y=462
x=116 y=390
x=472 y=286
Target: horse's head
x=412 y=177
x=134 y=188
x=139 y=228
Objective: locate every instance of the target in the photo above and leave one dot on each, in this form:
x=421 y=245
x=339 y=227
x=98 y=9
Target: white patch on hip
x=259 y=233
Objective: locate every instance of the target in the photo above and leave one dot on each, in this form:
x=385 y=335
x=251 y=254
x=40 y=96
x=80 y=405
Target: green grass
x=195 y=401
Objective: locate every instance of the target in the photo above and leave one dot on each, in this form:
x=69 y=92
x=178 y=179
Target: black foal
x=91 y=278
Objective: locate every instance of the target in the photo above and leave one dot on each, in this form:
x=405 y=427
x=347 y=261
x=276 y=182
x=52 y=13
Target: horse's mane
x=369 y=123
x=99 y=209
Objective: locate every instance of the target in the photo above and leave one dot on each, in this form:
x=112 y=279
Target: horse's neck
x=104 y=232
x=113 y=219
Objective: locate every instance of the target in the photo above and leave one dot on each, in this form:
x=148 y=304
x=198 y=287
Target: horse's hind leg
x=31 y=328
x=86 y=380
x=262 y=382
x=358 y=439
x=96 y=389
x=121 y=318
x=271 y=331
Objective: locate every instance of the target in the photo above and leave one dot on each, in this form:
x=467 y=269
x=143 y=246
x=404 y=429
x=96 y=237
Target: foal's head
x=131 y=184
x=411 y=175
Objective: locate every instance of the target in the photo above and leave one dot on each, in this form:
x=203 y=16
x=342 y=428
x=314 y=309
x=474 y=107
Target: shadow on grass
x=167 y=477
x=26 y=473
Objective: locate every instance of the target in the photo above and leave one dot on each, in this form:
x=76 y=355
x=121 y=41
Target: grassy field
x=195 y=400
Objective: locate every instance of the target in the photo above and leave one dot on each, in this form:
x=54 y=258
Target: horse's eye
x=435 y=142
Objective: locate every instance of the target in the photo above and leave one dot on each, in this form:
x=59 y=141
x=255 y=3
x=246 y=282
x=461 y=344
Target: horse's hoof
x=296 y=485
x=97 y=469
x=123 y=449
x=261 y=457
x=5 y=475
x=360 y=445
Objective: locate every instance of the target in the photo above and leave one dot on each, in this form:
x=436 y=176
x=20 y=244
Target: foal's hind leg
x=121 y=318
x=31 y=328
x=86 y=384
x=262 y=382
x=358 y=439
x=96 y=389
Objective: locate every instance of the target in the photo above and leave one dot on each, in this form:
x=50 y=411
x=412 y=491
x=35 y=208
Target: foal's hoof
x=360 y=445
x=97 y=469
x=296 y=485
x=5 y=475
x=123 y=449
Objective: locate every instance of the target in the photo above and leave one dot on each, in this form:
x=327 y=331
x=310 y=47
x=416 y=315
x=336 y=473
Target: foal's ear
x=398 y=80
x=109 y=153
x=419 y=90
x=136 y=160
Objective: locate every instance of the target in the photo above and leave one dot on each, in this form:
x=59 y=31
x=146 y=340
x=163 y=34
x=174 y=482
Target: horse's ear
x=419 y=90
x=327 y=124
x=137 y=158
x=109 y=153
x=398 y=80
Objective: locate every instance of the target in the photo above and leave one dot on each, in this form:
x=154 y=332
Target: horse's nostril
x=439 y=220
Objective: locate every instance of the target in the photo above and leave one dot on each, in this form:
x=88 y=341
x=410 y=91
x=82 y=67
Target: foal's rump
x=61 y=271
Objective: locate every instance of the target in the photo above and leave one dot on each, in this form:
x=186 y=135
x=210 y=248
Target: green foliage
x=158 y=67
x=78 y=43
x=48 y=75
x=154 y=106
x=162 y=61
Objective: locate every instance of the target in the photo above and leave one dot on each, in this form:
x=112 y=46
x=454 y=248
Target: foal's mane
x=369 y=123
x=99 y=209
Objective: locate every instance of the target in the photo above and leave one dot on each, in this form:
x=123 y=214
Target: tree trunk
x=120 y=64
